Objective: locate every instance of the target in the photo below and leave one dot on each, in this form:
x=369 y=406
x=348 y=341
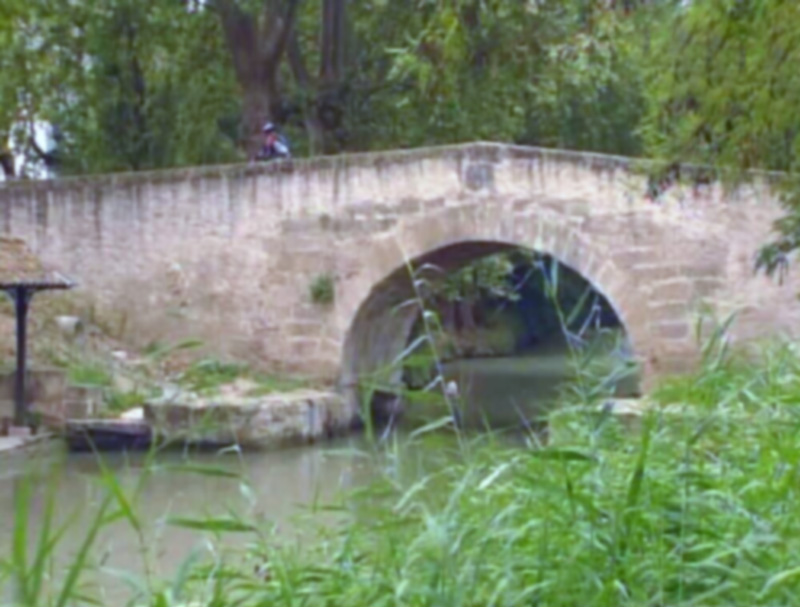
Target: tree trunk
x=138 y=101
x=257 y=46
x=323 y=112
x=448 y=308
x=259 y=97
x=330 y=110
x=466 y=313
x=6 y=156
x=334 y=18
x=314 y=128
x=7 y=163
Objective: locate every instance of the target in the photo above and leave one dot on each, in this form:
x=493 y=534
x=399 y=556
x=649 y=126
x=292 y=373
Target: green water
x=280 y=486
x=510 y=391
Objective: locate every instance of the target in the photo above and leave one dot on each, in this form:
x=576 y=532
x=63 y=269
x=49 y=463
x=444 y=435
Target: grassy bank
x=699 y=507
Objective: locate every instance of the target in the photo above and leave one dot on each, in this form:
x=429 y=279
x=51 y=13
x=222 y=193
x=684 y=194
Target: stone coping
x=475 y=151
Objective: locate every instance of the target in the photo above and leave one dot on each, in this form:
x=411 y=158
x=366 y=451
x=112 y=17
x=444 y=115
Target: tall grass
x=36 y=571
x=699 y=506
x=422 y=352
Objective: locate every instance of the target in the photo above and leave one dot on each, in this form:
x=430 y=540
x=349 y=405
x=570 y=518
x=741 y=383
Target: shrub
x=322 y=289
x=119 y=402
x=207 y=375
x=89 y=374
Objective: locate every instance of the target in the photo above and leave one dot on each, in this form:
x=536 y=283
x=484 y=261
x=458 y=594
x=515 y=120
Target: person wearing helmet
x=275 y=145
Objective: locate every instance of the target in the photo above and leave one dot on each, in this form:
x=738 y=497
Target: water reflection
x=279 y=485
x=507 y=391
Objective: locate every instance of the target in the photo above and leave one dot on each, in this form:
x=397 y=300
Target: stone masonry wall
x=227 y=254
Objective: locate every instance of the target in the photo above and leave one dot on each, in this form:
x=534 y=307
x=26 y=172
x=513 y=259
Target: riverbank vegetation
x=692 y=504
x=698 y=508
x=695 y=505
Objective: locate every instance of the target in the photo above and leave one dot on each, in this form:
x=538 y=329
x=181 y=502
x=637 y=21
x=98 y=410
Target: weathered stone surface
x=226 y=254
x=628 y=411
x=50 y=396
x=254 y=422
x=17 y=263
x=70 y=326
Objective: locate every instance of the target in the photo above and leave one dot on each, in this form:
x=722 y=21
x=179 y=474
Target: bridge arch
x=377 y=327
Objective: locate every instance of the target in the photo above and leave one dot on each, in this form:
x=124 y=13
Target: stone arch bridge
x=227 y=254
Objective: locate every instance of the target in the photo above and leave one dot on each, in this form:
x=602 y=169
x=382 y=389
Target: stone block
x=45 y=390
x=479 y=176
x=670 y=308
x=635 y=256
x=19 y=431
x=670 y=313
x=409 y=205
x=707 y=287
x=434 y=204
x=306 y=328
x=261 y=422
x=673 y=330
x=656 y=272
x=676 y=290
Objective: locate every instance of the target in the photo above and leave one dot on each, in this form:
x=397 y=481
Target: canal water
x=510 y=392
x=278 y=486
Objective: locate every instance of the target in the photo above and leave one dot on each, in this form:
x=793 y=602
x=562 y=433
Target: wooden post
x=21 y=297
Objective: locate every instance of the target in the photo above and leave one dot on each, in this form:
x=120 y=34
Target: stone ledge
x=258 y=422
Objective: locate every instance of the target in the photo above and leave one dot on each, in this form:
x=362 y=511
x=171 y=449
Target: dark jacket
x=277 y=149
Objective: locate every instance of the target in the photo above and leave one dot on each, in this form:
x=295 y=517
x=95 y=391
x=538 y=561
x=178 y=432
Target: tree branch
x=7 y=163
x=239 y=35
x=314 y=127
x=333 y=41
x=297 y=64
x=46 y=157
x=282 y=31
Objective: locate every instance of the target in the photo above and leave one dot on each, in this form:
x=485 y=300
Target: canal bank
x=447 y=518
x=290 y=491
x=217 y=405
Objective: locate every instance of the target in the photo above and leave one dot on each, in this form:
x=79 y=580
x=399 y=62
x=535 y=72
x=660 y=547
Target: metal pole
x=21 y=299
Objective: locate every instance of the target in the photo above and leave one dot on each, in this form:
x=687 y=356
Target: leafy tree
x=134 y=84
x=322 y=99
x=257 y=34
x=458 y=294
x=157 y=91
x=23 y=60
x=550 y=72
x=724 y=91
x=129 y=84
x=270 y=43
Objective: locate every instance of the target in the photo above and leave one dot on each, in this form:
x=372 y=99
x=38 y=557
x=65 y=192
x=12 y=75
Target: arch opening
x=507 y=324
